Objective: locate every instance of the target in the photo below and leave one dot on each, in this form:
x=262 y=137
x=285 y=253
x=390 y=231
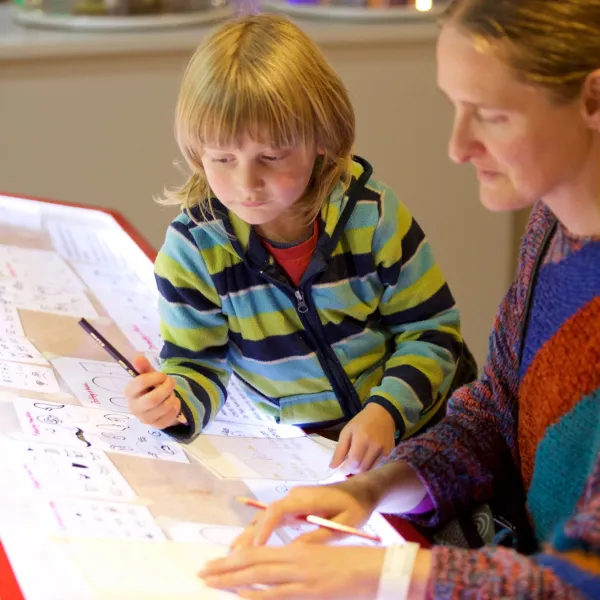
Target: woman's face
x=524 y=146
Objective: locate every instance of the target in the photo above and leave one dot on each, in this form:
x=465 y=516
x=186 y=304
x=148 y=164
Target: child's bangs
x=225 y=117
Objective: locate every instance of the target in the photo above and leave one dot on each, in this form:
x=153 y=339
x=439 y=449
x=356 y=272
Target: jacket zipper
x=340 y=382
x=301 y=305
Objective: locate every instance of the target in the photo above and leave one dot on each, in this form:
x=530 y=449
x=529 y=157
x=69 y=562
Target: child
x=290 y=265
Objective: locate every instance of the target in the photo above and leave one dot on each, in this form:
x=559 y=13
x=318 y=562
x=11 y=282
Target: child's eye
x=221 y=160
x=271 y=158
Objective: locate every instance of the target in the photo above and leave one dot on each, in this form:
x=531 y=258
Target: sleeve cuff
x=398 y=420
x=184 y=432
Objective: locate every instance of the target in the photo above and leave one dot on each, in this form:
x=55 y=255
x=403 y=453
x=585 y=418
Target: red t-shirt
x=294 y=260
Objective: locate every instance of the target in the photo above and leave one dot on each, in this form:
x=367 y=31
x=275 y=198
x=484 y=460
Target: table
x=175 y=489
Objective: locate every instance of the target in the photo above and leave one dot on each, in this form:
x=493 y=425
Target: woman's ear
x=591 y=100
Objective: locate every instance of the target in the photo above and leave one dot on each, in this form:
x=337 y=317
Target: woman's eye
x=493 y=119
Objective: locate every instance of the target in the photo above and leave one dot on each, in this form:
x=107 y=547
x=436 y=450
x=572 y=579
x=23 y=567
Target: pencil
x=104 y=343
x=314 y=520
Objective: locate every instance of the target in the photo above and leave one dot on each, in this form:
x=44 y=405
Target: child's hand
x=150 y=396
x=366 y=438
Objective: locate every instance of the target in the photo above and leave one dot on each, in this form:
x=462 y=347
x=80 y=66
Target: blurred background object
x=119 y=15
x=384 y=11
x=117 y=7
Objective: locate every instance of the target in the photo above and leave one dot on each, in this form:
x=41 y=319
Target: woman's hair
x=554 y=44
x=261 y=76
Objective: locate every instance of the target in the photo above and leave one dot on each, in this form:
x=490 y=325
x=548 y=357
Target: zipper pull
x=302 y=306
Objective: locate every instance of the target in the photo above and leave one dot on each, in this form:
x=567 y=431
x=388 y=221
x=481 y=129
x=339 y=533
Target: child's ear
x=591 y=100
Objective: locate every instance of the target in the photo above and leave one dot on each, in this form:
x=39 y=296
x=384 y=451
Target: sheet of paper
x=21 y=213
x=271 y=491
x=36 y=266
x=10 y=322
x=28 y=377
x=96 y=383
x=46 y=297
x=77 y=215
x=326 y=442
x=20 y=349
x=77 y=517
x=238 y=408
x=102 y=247
x=220 y=535
x=141 y=571
x=297 y=459
x=62 y=470
x=43 y=572
x=154 y=359
x=252 y=431
x=130 y=302
x=96 y=429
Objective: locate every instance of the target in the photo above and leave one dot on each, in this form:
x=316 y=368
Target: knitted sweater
x=372 y=319
x=554 y=443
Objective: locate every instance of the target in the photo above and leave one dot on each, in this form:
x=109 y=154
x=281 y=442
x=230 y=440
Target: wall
x=98 y=130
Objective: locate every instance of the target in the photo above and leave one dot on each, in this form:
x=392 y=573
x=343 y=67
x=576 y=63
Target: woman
x=524 y=80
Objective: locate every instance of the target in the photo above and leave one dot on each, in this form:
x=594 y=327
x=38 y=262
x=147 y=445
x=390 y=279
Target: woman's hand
x=299 y=571
x=349 y=502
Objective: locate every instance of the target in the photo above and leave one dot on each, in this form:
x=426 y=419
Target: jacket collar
x=230 y=232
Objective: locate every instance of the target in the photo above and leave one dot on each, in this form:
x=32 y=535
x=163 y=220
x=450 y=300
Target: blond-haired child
x=290 y=265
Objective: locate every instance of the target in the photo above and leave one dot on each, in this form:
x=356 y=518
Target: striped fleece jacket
x=372 y=319
x=541 y=416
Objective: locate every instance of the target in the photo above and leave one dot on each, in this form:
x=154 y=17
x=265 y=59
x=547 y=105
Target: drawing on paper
x=110 y=431
x=283 y=489
x=38 y=266
x=20 y=349
x=46 y=297
x=10 y=322
x=28 y=377
x=238 y=408
x=110 y=383
x=272 y=430
x=97 y=366
x=94 y=246
x=287 y=459
x=66 y=471
x=119 y=402
x=90 y=518
x=96 y=383
x=130 y=301
x=220 y=535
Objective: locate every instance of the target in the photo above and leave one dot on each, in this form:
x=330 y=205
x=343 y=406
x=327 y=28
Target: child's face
x=255 y=181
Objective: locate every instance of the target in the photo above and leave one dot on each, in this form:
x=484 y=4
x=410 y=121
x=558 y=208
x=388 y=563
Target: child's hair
x=554 y=44
x=263 y=77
